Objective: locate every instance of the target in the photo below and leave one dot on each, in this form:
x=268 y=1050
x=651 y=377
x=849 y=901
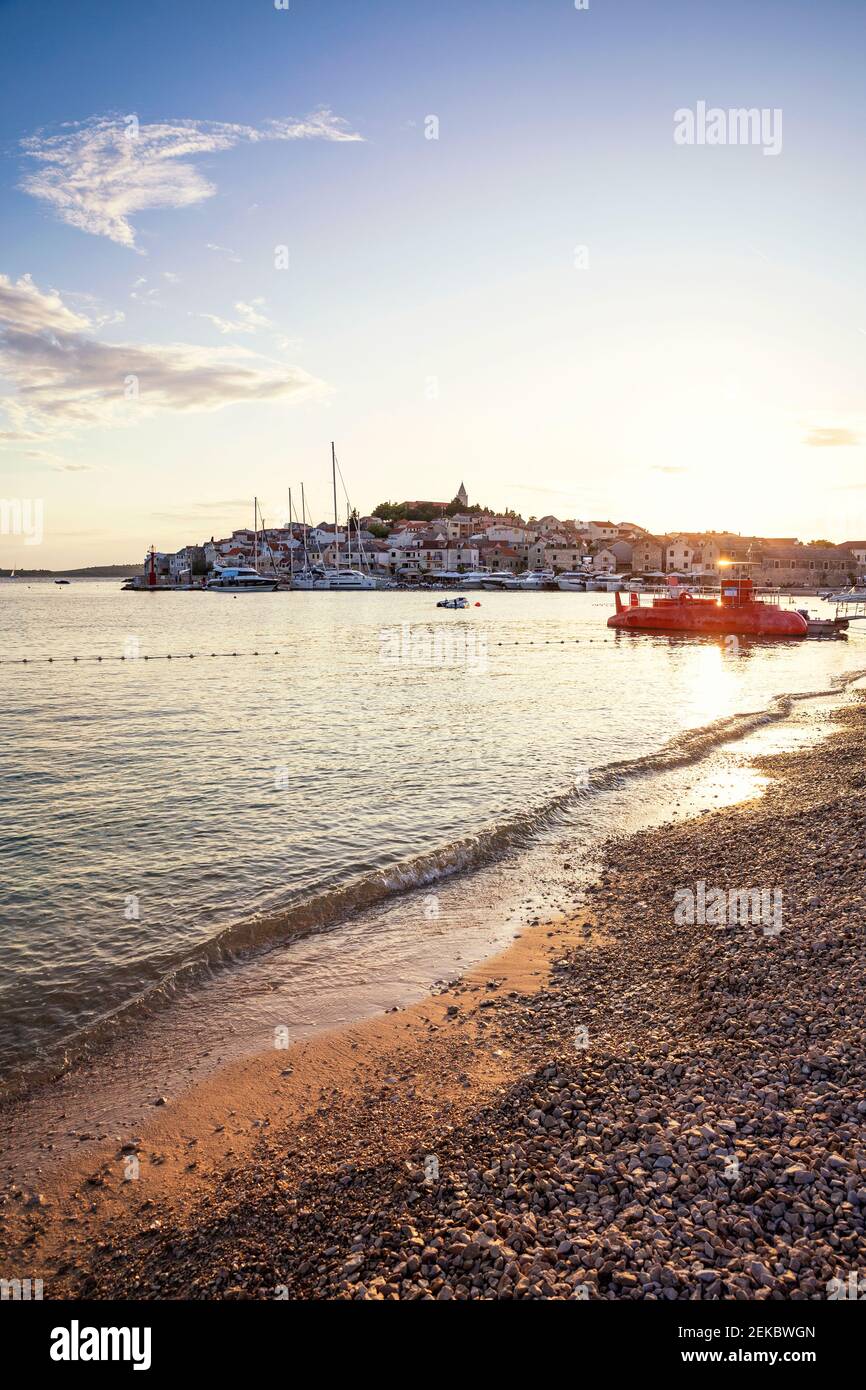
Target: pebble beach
x=623 y=1106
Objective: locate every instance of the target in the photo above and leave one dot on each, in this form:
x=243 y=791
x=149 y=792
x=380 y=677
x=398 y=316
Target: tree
x=424 y=511
x=388 y=511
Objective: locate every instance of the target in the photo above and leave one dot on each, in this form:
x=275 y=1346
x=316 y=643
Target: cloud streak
x=98 y=174
x=64 y=378
x=833 y=438
x=249 y=318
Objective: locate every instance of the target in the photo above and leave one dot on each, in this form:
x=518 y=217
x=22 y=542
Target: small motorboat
x=61 y=581
x=824 y=627
x=460 y=602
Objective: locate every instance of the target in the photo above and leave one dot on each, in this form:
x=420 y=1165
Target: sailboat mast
x=334 y=481
x=255 y=533
x=291 y=539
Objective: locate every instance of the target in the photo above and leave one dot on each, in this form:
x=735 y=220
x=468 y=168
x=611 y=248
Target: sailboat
x=340 y=577
x=245 y=579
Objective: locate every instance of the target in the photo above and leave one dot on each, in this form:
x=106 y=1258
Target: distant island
x=90 y=572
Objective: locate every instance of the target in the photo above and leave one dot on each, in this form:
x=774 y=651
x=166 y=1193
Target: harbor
x=455 y=548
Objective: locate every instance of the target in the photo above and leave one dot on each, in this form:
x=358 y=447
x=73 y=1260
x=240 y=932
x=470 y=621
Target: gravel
x=706 y=1143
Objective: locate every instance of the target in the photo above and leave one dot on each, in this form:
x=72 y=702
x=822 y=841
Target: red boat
x=736 y=610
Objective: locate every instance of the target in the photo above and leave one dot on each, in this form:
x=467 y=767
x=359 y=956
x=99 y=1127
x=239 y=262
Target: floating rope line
x=157 y=656
x=551 y=642
x=210 y=656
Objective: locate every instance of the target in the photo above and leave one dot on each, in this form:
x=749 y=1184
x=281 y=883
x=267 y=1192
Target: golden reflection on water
x=217 y=792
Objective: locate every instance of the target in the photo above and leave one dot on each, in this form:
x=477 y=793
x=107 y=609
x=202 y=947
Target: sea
x=228 y=814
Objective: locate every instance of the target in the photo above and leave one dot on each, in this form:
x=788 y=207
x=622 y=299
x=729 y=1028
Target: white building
x=182 y=566
x=322 y=536
x=462 y=557
x=600 y=530
x=462 y=525
x=605 y=562
x=506 y=534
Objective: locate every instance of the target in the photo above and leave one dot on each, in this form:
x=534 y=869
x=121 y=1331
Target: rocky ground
x=686 y=1121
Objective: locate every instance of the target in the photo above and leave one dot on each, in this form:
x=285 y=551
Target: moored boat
x=332 y=580
x=496 y=583
x=824 y=627
x=572 y=582
x=240 y=579
x=535 y=579
x=734 y=611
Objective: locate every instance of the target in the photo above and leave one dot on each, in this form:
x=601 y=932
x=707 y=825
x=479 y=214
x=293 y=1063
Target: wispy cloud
x=668 y=468
x=834 y=438
x=65 y=378
x=98 y=174
x=224 y=251
x=250 y=318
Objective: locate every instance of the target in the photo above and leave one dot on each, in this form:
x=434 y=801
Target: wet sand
x=619 y=1106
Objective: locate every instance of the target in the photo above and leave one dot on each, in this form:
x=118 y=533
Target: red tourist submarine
x=736 y=610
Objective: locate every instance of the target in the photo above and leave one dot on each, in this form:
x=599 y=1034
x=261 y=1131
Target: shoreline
x=198 y=1138
x=486 y=1077
x=83 y=1055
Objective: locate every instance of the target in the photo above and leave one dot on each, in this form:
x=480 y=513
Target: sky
x=489 y=241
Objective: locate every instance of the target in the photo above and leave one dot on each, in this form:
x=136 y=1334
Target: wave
x=325 y=909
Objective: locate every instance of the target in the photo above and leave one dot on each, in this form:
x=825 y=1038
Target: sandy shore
x=621 y=1106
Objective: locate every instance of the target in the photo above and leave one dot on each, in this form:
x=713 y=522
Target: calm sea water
x=161 y=818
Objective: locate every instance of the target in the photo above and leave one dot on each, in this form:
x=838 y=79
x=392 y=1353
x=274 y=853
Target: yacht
x=307 y=577
x=572 y=582
x=535 y=579
x=333 y=580
x=855 y=595
x=497 y=583
x=475 y=578
x=240 y=579
x=472 y=579
x=347 y=579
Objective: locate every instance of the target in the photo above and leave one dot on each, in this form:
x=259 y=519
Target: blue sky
x=552 y=300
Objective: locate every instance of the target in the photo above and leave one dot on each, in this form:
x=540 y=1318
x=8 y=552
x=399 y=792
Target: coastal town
x=417 y=542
